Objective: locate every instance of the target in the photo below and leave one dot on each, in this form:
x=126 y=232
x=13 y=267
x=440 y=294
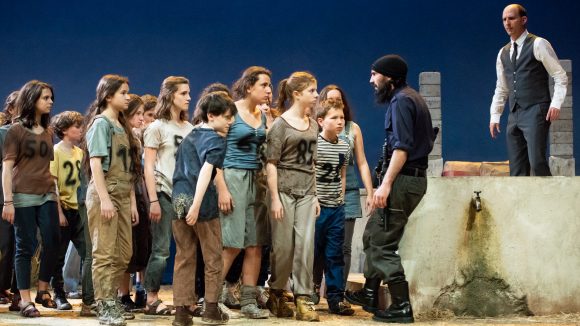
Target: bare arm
x=363 y=166
x=200 y=189
x=276 y=208
x=134 y=211
x=61 y=218
x=397 y=161
x=108 y=211
x=8 y=209
x=149 y=172
x=225 y=201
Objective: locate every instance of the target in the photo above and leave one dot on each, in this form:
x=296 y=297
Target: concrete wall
x=562 y=132
x=527 y=235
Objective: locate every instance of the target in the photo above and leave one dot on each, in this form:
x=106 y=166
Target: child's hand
x=155 y=212
x=277 y=210
x=8 y=213
x=370 y=207
x=134 y=215
x=316 y=208
x=108 y=211
x=192 y=216
x=62 y=221
x=225 y=202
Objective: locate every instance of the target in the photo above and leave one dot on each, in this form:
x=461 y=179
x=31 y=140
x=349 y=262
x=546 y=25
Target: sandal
x=195 y=312
x=151 y=309
x=29 y=310
x=15 y=305
x=4 y=298
x=47 y=303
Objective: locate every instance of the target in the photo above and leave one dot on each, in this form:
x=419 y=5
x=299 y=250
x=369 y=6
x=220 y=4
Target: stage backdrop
x=70 y=44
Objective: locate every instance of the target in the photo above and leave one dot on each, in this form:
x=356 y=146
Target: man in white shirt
x=524 y=67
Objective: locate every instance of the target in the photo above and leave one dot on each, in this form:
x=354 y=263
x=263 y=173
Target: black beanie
x=391 y=65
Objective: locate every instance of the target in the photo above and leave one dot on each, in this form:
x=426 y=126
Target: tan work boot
x=278 y=304
x=305 y=309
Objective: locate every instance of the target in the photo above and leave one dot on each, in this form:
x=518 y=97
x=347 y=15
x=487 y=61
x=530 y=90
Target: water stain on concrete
x=478 y=288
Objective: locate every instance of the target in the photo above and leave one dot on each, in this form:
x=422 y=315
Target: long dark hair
x=324 y=96
x=26 y=103
x=249 y=77
x=213 y=87
x=298 y=81
x=166 y=96
x=9 y=107
x=107 y=87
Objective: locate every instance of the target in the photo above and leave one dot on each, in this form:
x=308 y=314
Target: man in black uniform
x=409 y=140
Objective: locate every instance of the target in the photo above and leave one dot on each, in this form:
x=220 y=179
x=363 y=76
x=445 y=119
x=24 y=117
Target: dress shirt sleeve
x=544 y=53
x=501 y=92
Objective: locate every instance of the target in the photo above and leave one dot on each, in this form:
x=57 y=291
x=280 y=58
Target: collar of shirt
x=521 y=39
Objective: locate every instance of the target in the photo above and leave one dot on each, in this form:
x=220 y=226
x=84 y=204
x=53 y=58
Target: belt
x=413 y=172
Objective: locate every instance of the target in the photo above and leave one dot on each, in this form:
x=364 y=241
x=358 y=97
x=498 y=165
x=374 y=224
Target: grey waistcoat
x=528 y=81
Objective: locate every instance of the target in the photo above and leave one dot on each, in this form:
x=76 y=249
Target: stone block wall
x=430 y=89
x=561 y=132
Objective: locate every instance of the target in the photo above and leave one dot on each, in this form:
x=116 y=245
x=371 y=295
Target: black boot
x=61 y=301
x=368 y=296
x=400 y=310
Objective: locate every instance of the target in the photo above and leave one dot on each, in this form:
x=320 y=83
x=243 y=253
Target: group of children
x=245 y=176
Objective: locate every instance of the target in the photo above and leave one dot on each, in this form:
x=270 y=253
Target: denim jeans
x=329 y=242
x=87 y=276
x=160 y=240
x=26 y=222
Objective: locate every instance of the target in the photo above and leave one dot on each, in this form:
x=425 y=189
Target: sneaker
x=61 y=301
x=127 y=303
x=231 y=314
x=342 y=308
x=110 y=314
x=262 y=296
x=316 y=294
x=88 y=310
x=214 y=314
x=231 y=295
x=74 y=295
x=253 y=312
x=278 y=304
x=121 y=309
x=305 y=309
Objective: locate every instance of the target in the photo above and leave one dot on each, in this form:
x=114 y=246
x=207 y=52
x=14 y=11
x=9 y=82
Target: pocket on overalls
x=111 y=186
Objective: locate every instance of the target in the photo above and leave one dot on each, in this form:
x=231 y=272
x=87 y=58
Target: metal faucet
x=477 y=201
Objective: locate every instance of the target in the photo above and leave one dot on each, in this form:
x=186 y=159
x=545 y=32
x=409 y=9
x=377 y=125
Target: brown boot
x=213 y=315
x=182 y=317
x=305 y=309
x=278 y=304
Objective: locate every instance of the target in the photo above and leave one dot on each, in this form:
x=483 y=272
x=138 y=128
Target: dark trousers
x=264 y=266
x=73 y=232
x=87 y=276
x=328 y=245
x=381 y=243
x=141 y=232
x=26 y=222
x=7 y=246
x=527 y=140
x=346 y=250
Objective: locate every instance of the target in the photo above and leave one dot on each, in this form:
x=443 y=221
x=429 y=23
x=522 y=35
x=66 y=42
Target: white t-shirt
x=165 y=136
